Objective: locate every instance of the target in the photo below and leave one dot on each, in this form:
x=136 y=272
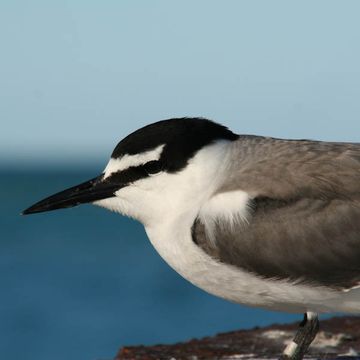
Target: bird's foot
x=303 y=338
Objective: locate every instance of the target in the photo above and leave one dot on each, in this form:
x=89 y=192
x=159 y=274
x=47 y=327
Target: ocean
x=80 y=283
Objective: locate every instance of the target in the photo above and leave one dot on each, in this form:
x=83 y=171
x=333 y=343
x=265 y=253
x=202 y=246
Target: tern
x=261 y=221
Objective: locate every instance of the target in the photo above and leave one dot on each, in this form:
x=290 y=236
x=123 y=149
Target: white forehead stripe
x=127 y=161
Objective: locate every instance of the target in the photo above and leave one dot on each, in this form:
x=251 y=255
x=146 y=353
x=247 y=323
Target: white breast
x=174 y=243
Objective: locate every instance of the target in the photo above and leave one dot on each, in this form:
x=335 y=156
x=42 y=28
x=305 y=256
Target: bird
x=256 y=220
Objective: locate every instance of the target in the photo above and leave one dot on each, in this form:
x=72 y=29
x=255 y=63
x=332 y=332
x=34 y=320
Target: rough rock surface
x=338 y=338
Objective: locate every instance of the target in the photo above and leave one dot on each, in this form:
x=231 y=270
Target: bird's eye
x=153 y=167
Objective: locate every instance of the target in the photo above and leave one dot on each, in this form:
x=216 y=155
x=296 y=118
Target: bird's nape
x=89 y=191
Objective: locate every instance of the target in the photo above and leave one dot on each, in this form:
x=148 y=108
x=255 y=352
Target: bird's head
x=157 y=170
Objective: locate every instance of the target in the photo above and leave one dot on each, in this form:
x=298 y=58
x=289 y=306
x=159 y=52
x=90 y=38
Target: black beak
x=89 y=191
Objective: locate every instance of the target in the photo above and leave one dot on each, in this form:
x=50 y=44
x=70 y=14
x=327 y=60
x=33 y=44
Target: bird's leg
x=303 y=338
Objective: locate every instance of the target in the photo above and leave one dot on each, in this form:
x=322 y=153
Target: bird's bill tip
x=87 y=192
x=28 y=211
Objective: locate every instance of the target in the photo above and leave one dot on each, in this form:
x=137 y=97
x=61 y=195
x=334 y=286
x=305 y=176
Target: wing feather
x=305 y=225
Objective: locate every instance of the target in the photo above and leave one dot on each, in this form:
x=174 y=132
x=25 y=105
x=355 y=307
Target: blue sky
x=77 y=76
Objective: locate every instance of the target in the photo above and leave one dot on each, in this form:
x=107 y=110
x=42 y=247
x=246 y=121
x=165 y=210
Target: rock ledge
x=338 y=338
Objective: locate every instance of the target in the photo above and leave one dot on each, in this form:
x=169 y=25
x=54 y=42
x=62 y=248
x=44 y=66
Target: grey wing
x=305 y=220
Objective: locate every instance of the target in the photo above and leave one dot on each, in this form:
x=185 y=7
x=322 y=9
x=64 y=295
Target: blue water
x=79 y=283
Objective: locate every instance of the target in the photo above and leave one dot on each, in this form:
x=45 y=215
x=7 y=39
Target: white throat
x=168 y=224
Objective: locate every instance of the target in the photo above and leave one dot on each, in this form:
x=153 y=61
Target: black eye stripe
x=153 y=167
x=127 y=176
x=133 y=173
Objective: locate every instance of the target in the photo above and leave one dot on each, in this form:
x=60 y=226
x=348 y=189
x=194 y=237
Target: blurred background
x=77 y=76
